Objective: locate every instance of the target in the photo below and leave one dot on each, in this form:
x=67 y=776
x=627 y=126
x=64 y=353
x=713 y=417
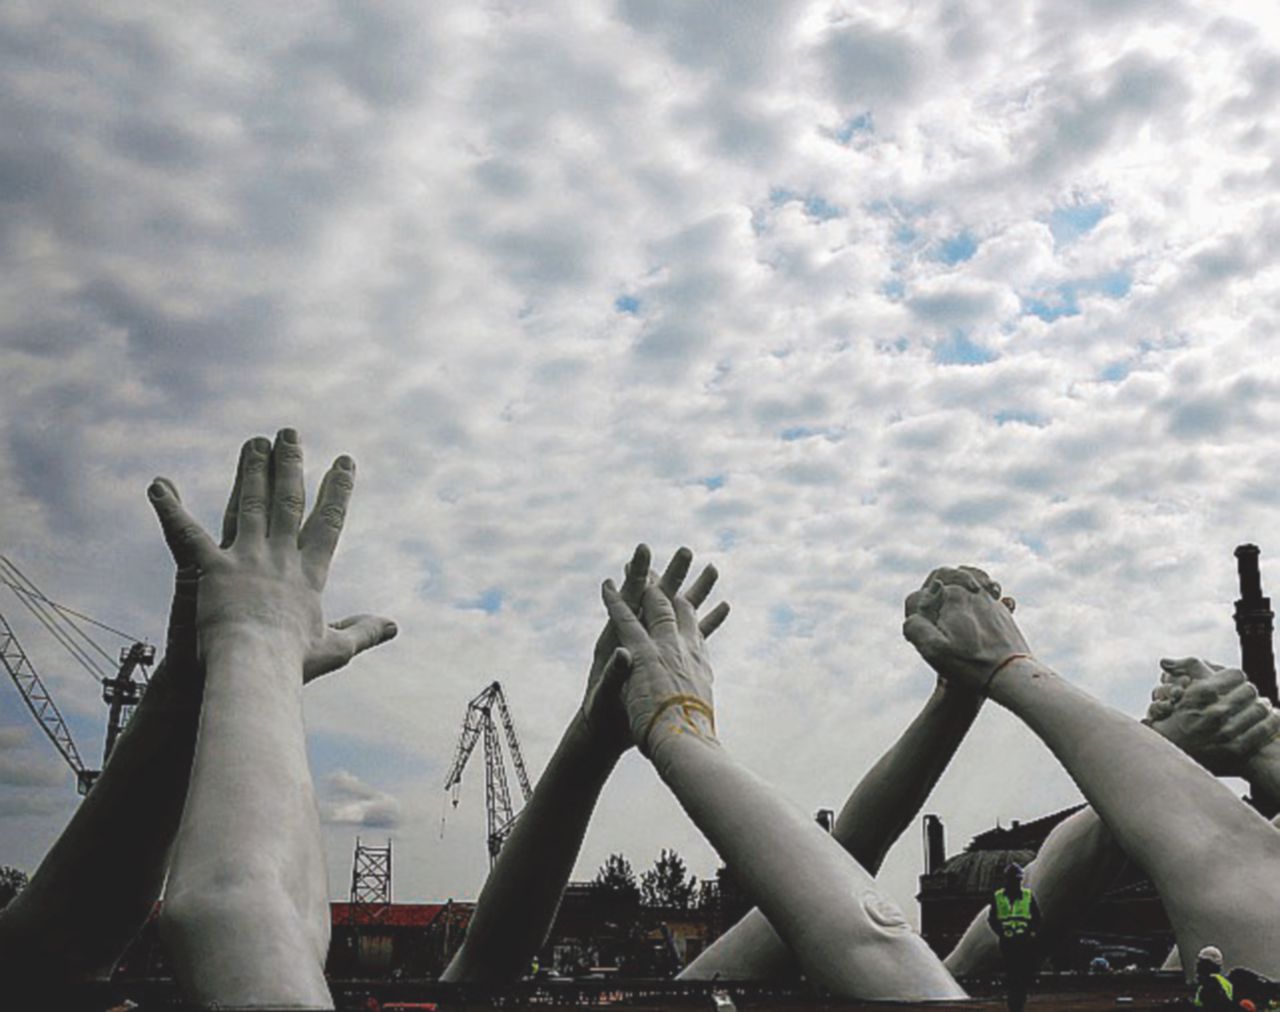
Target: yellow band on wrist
x=688 y=705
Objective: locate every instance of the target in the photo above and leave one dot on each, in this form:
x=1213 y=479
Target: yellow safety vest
x=1226 y=987
x=1015 y=917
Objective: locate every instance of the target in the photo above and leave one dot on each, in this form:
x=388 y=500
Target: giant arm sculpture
x=246 y=918
x=518 y=903
x=882 y=805
x=846 y=935
x=1188 y=832
x=1214 y=715
x=74 y=921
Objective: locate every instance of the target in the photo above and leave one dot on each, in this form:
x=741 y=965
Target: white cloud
x=347 y=799
x=899 y=287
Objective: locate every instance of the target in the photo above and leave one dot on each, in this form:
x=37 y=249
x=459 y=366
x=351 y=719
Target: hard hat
x=1210 y=954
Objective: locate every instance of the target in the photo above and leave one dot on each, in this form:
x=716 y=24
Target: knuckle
x=290 y=504
x=333 y=515
x=189 y=534
x=253 y=504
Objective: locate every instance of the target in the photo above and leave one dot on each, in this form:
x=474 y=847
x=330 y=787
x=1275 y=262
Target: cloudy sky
x=830 y=292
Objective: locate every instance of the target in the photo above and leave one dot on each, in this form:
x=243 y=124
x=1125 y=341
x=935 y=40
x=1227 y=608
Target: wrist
x=1013 y=674
x=665 y=747
x=675 y=716
x=597 y=742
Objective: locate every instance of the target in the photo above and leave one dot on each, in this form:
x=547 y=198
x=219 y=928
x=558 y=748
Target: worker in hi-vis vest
x=1015 y=919
x=1213 y=989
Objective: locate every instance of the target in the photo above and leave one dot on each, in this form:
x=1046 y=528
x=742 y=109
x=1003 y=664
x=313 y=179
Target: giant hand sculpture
x=1188 y=832
x=246 y=912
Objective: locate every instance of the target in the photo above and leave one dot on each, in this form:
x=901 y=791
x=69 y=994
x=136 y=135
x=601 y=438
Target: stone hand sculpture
x=245 y=918
x=847 y=936
x=73 y=923
x=519 y=900
x=1187 y=831
x=1214 y=715
x=884 y=803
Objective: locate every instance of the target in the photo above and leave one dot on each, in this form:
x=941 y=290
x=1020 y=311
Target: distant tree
x=616 y=878
x=12 y=882
x=668 y=883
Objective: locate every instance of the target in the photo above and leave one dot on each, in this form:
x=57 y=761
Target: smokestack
x=935 y=844
x=1254 y=624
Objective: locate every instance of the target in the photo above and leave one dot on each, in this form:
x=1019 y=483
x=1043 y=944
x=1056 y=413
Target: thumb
x=616 y=672
x=366 y=631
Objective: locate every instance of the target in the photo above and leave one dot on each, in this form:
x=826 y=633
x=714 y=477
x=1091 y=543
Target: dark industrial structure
x=1254 y=623
x=1128 y=926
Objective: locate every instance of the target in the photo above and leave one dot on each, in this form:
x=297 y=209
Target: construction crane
x=479 y=722
x=119 y=690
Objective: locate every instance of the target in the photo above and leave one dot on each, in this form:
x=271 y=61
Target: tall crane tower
x=479 y=722
x=119 y=690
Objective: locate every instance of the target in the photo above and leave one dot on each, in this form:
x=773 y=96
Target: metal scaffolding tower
x=479 y=722
x=370 y=884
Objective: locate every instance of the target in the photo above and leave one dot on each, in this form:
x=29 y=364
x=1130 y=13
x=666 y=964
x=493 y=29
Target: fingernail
x=608 y=586
x=289 y=436
x=391 y=629
x=1165 y=662
x=262 y=444
x=345 y=463
x=156 y=489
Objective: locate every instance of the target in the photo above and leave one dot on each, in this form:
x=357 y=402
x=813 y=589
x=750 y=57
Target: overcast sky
x=831 y=292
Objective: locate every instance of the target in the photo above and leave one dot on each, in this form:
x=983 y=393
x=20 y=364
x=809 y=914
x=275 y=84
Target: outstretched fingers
x=255 y=492
x=713 y=619
x=658 y=614
x=702 y=586
x=677 y=569
x=320 y=533
x=631 y=632
x=187 y=540
x=288 y=493
x=637 y=575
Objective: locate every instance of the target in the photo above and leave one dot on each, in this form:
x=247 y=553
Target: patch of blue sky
x=1036 y=544
x=1009 y=416
x=378 y=763
x=627 y=304
x=957 y=249
x=790 y=435
x=726 y=539
x=859 y=125
x=905 y=235
x=958 y=349
x=1068 y=224
x=489 y=601
x=894 y=288
x=1115 y=372
x=713 y=482
x=815 y=205
x=782 y=619
x=1064 y=299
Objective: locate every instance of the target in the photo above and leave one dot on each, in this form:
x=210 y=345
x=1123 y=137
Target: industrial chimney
x=1254 y=623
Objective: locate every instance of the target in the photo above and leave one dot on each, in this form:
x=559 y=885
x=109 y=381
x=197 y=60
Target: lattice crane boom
x=119 y=690
x=479 y=724
x=39 y=702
